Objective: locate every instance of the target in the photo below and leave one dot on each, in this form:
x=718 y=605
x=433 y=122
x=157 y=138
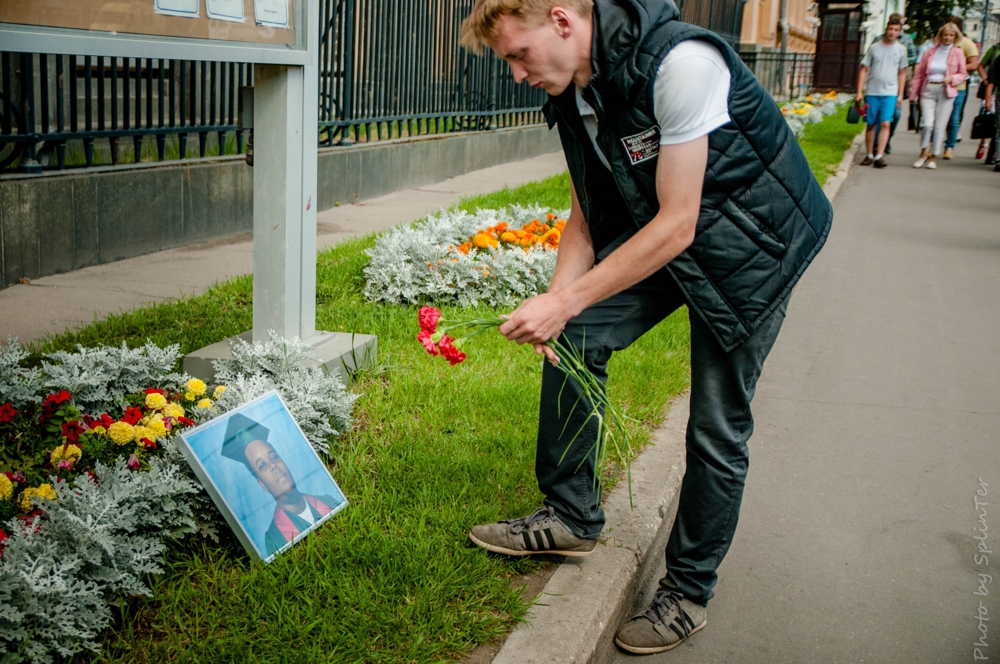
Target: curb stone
x=581 y=607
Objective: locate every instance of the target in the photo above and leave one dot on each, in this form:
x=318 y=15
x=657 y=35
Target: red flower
x=15 y=477
x=106 y=420
x=132 y=415
x=52 y=403
x=133 y=463
x=450 y=352
x=151 y=444
x=72 y=431
x=7 y=413
x=153 y=390
x=185 y=421
x=3 y=538
x=88 y=422
x=425 y=338
x=428 y=317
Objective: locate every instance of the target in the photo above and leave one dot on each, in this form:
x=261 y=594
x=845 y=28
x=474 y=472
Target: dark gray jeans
x=722 y=386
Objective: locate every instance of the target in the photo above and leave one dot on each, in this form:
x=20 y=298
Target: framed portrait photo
x=263 y=475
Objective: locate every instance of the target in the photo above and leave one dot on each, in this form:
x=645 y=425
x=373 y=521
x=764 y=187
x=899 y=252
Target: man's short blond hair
x=479 y=27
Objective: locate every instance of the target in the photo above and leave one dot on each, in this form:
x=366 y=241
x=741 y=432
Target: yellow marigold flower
x=481 y=240
x=219 y=391
x=508 y=237
x=204 y=403
x=155 y=401
x=173 y=410
x=140 y=432
x=71 y=453
x=43 y=491
x=189 y=396
x=196 y=387
x=99 y=430
x=122 y=433
x=6 y=488
x=156 y=425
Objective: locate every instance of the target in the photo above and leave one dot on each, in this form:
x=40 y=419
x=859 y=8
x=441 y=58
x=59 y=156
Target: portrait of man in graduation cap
x=295 y=512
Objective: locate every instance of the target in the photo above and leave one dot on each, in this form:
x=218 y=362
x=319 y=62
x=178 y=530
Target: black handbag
x=854 y=114
x=984 y=125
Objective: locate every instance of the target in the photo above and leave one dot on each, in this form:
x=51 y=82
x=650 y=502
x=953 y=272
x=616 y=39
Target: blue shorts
x=881 y=108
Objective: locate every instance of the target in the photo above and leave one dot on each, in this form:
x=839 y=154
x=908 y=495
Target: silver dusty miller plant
x=100 y=377
x=18 y=386
x=317 y=399
x=414 y=264
x=60 y=572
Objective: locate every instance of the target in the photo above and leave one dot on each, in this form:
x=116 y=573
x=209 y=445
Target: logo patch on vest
x=643 y=146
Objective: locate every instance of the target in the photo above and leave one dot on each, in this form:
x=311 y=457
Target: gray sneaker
x=541 y=532
x=668 y=621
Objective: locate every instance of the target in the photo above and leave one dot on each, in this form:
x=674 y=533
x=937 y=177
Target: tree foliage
x=926 y=17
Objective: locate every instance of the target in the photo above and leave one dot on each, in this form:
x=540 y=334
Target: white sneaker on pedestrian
x=931 y=165
x=919 y=163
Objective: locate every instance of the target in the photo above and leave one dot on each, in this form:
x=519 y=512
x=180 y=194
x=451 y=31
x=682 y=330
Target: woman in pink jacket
x=940 y=70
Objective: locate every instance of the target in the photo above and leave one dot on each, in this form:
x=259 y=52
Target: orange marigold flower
x=550 y=216
x=507 y=236
x=465 y=247
x=481 y=240
x=501 y=227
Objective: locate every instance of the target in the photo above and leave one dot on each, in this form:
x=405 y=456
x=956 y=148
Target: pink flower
x=133 y=463
x=428 y=317
x=425 y=338
x=64 y=464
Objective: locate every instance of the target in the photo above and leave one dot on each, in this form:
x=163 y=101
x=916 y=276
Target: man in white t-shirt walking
x=688 y=188
x=884 y=70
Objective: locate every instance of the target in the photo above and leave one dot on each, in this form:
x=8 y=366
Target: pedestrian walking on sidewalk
x=939 y=72
x=884 y=70
x=987 y=147
x=911 y=60
x=971 y=52
x=992 y=84
x=688 y=188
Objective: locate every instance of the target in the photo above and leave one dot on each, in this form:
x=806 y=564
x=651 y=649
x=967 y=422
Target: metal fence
x=388 y=69
x=792 y=75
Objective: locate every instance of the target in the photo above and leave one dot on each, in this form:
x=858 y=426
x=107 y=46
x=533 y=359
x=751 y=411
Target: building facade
x=762 y=26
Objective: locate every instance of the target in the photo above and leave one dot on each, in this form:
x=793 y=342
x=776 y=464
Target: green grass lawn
x=437 y=449
x=825 y=142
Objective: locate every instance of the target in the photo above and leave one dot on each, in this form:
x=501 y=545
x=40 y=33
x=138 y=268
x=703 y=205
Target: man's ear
x=563 y=20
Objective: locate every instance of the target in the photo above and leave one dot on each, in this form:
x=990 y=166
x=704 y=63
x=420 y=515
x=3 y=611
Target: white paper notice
x=177 y=7
x=272 y=13
x=225 y=10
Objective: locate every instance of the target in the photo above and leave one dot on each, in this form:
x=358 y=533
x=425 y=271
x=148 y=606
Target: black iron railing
x=791 y=75
x=61 y=111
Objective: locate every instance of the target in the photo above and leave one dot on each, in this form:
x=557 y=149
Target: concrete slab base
x=338 y=352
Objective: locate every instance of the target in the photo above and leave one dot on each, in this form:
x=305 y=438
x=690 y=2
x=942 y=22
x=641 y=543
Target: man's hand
x=539 y=319
x=899 y=102
x=858 y=98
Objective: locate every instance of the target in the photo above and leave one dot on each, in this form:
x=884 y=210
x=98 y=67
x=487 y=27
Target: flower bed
x=811 y=109
x=494 y=257
x=92 y=486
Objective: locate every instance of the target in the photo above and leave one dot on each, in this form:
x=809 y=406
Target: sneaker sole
x=511 y=552
x=636 y=650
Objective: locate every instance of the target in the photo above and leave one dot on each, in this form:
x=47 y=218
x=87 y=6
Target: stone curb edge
x=581 y=607
x=835 y=182
x=578 y=612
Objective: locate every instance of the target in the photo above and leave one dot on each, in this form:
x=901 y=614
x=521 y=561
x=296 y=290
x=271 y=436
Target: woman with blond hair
x=940 y=71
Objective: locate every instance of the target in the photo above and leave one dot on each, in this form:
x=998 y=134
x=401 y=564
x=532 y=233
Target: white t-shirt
x=307 y=515
x=938 y=66
x=690 y=95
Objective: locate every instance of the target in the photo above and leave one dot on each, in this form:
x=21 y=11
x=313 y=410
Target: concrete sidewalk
x=877 y=420
x=53 y=304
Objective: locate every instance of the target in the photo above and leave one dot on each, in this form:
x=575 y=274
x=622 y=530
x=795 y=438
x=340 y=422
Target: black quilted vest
x=763 y=215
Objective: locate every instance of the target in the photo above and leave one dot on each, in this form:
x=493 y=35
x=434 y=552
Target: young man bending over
x=688 y=188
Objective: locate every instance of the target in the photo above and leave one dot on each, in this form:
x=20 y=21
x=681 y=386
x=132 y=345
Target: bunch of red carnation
x=437 y=342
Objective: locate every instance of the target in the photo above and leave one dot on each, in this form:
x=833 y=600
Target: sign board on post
x=282 y=41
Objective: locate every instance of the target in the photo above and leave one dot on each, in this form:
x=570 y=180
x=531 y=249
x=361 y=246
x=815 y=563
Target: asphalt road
x=878 y=421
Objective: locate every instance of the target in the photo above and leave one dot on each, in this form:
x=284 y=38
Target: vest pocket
x=761 y=235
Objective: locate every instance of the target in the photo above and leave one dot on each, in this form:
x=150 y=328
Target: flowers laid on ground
x=497 y=257
x=811 y=109
x=444 y=337
x=91 y=483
